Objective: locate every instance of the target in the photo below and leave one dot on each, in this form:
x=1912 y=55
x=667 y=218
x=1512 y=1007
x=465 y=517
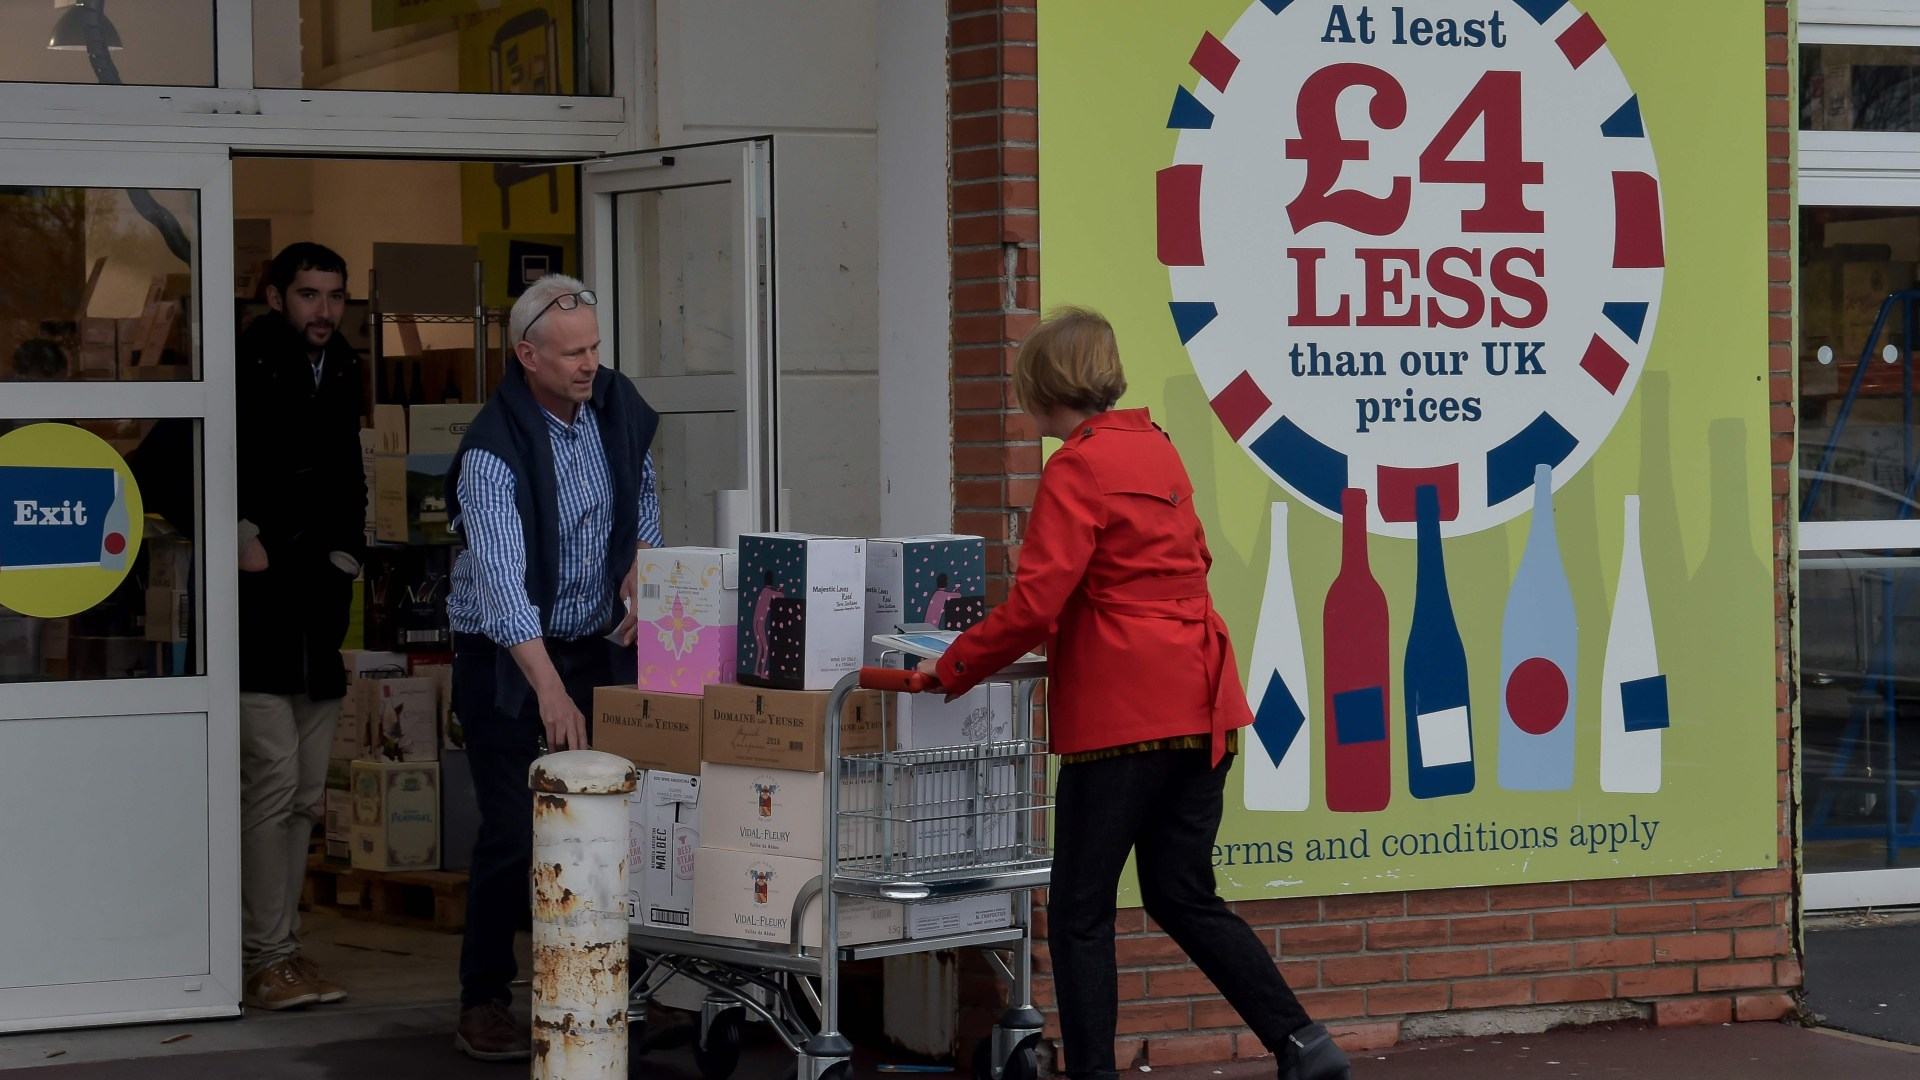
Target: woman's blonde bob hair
x=1070 y=361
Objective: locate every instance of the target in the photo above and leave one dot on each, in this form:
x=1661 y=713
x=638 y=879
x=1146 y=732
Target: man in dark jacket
x=554 y=492
x=302 y=501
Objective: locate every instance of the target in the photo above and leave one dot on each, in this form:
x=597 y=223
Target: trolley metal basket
x=904 y=826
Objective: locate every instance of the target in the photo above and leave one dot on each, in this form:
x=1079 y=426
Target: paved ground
x=1862 y=972
x=1732 y=1052
x=1625 y=1052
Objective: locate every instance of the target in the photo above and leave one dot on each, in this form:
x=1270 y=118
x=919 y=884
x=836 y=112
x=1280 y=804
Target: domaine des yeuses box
x=802 y=615
x=687 y=617
x=939 y=581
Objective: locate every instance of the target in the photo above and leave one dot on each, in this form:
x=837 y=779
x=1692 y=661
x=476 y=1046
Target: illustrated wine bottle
x=1434 y=675
x=1633 y=692
x=1356 y=684
x=1539 y=650
x=1276 y=771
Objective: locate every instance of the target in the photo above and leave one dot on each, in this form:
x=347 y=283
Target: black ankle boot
x=1311 y=1054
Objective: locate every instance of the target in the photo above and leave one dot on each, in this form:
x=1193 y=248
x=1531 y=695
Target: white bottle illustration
x=1276 y=769
x=1633 y=692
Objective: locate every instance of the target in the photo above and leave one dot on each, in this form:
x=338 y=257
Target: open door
x=679 y=243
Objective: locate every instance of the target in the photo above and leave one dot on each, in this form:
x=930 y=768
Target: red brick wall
x=1696 y=949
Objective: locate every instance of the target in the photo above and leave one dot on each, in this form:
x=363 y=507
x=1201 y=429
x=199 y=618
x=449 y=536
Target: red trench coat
x=1113 y=579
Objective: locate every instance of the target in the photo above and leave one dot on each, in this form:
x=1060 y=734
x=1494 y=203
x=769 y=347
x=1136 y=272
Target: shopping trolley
x=901 y=826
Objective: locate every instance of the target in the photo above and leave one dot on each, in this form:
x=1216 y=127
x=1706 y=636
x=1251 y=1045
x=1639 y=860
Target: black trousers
x=500 y=750
x=1163 y=805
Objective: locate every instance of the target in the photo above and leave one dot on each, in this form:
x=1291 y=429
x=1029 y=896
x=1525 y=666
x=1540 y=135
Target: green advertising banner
x=1458 y=313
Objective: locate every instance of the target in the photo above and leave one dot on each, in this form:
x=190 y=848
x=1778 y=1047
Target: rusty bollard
x=579 y=915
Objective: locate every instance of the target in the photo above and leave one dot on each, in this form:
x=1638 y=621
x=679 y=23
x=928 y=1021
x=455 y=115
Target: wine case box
x=784 y=729
x=353 y=732
x=982 y=714
x=937 y=580
x=663 y=839
x=408 y=709
x=396 y=815
x=744 y=894
x=962 y=915
x=687 y=616
x=438 y=429
x=410 y=499
x=802 y=609
x=651 y=729
x=780 y=812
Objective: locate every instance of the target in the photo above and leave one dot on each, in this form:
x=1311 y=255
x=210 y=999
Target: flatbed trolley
x=902 y=826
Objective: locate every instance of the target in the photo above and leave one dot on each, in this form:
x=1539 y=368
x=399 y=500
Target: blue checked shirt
x=489 y=593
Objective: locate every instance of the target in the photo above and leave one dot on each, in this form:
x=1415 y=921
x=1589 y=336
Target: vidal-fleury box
x=781 y=812
x=663 y=816
x=783 y=729
x=743 y=894
x=938 y=580
x=651 y=729
x=802 y=609
x=409 y=720
x=396 y=815
x=687 y=617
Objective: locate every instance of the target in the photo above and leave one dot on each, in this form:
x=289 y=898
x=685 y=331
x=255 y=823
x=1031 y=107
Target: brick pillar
x=996 y=269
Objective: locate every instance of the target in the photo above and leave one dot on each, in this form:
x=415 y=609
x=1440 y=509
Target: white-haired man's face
x=561 y=355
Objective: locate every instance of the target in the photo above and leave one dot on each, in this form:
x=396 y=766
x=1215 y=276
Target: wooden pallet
x=424 y=899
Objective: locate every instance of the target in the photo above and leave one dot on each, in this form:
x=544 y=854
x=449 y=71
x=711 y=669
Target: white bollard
x=579 y=915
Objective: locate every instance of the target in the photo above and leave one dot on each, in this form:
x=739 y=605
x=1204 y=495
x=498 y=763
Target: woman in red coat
x=1144 y=704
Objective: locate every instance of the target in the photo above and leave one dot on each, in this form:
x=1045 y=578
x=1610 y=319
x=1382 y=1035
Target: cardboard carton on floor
x=802 y=609
x=653 y=730
x=961 y=915
x=781 y=812
x=409 y=720
x=687 y=615
x=438 y=429
x=935 y=580
x=784 y=729
x=353 y=732
x=743 y=894
x=663 y=836
x=396 y=815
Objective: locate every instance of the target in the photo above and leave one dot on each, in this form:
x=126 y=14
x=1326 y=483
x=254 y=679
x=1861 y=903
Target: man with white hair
x=553 y=491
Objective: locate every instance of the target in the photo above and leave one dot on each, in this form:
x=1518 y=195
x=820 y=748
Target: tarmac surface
x=1863 y=975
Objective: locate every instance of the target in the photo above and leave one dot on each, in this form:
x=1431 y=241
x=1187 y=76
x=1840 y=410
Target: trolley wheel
x=1024 y=1065
x=842 y=1071
x=718 y=1054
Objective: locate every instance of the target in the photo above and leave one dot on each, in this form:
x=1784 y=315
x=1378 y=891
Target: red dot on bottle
x=116 y=543
x=1537 y=695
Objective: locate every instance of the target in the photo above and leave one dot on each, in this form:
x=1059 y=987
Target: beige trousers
x=284 y=743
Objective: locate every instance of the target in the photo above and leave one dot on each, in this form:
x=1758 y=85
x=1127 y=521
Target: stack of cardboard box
x=384 y=808
x=728 y=824
x=413 y=448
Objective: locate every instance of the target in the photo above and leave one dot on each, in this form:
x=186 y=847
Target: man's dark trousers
x=501 y=749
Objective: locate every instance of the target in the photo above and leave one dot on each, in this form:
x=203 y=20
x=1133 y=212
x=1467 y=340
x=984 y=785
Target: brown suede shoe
x=490 y=1033
x=328 y=990
x=279 y=985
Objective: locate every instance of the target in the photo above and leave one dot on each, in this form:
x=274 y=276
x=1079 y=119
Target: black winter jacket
x=302 y=484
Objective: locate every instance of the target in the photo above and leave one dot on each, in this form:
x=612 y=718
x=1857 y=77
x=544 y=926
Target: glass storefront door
x=1859 y=505
x=118 y=716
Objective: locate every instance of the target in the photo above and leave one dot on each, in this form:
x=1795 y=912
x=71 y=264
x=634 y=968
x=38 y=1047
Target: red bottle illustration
x=1359 y=774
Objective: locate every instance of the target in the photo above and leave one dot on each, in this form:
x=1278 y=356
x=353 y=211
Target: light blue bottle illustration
x=1539 y=648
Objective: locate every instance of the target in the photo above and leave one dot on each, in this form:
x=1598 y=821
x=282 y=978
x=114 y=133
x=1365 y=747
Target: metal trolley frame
x=904 y=813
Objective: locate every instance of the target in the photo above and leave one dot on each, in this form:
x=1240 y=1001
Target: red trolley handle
x=898 y=680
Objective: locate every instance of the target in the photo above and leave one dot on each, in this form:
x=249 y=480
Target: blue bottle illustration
x=1439 y=714
x=1539 y=647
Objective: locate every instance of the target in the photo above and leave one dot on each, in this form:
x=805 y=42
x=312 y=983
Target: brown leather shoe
x=279 y=985
x=490 y=1033
x=328 y=990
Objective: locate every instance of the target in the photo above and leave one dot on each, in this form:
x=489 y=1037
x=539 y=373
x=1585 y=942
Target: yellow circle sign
x=70 y=516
